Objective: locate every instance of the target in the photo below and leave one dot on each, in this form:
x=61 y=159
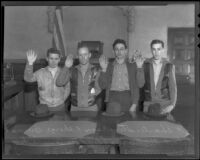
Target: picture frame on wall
x=95 y=48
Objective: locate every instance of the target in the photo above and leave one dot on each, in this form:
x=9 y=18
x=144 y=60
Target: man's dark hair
x=53 y=51
x=157 y=41
x=121 y=41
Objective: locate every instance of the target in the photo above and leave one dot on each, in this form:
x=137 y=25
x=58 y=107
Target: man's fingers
x=28 y=53
x=103 y=56
x=101 y=59
x=31 y=52
x=105 y=59
x=31 y=55
x=35 y=55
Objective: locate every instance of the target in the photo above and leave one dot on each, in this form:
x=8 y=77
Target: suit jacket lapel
x=110 y=71
x=158 y=87
x=159 y=83
x=152 y=77
x=129 y=74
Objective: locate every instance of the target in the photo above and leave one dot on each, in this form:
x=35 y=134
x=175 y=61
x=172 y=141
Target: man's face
x=157 y=51
x=53 y=60
x=120 y=51
x=84 y=55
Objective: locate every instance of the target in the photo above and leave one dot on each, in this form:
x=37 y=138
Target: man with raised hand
x=119 y=78
x=158 y=83
x=49 y=94
x=83 y=80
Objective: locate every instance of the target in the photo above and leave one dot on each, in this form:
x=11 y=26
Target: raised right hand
x=31 y=56
x=69 y=61
x=103 y=62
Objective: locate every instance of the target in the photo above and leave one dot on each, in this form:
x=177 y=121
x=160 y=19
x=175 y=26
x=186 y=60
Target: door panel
x=181 y=53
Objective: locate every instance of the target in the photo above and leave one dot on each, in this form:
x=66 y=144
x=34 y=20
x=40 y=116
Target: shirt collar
x=116 y=63
x=157 y=62
x=79 y=67
x=49 y=69
x=162 y=61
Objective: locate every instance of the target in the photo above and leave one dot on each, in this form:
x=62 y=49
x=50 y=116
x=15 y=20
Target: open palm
x=69 y=61
x=31 y=56
x=103 y=62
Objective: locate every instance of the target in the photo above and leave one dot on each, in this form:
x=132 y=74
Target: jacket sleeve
x=103 y=79
x=97 y=87
x=172 y=86
x=63 y=77
x=67 y=90
x=140 y=77
x=135 y=87
x=29 y=76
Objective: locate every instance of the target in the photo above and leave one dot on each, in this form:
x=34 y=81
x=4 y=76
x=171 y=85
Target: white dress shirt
x=53 y=71
x=157 y=65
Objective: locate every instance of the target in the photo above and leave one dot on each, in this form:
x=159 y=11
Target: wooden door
x=181 y=52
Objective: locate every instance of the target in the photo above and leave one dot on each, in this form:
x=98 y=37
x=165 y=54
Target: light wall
x=152 y=23
x=26 y=27
x=93 y=23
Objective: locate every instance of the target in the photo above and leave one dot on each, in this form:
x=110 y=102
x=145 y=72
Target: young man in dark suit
x=158 y=83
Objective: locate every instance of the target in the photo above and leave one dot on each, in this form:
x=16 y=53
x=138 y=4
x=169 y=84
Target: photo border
x=105 y=3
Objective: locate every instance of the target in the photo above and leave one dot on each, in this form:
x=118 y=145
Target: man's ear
x=47 y=59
